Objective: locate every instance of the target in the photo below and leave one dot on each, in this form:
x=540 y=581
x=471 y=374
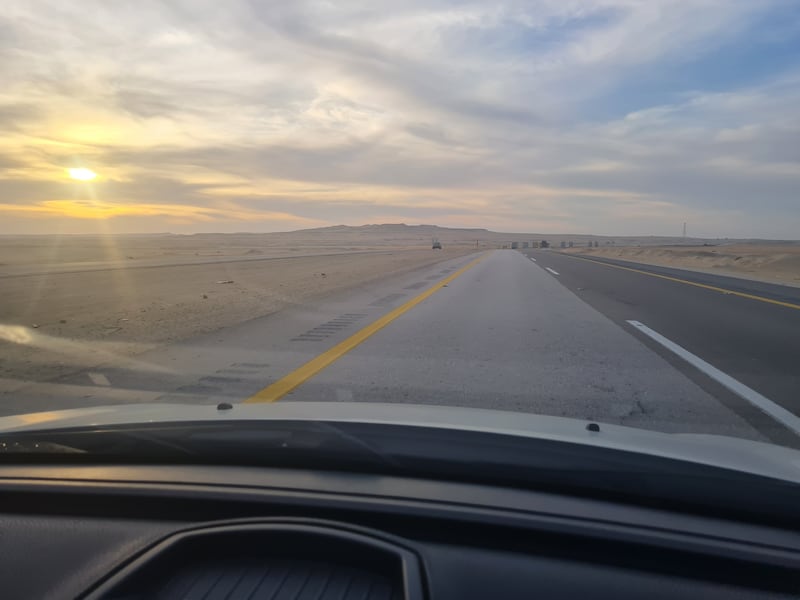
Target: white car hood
x=731 y=453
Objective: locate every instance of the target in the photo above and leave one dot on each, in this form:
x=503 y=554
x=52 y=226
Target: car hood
x=720 y=451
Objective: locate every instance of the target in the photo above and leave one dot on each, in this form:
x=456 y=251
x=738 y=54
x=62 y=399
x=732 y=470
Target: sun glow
x=82 y=174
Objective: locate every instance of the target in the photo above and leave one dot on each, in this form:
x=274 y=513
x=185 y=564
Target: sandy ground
x=773 y=263
x=73 y=303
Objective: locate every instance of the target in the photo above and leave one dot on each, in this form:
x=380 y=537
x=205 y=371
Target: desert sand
x=72 y=302
x=75 y=302
x=772 y=263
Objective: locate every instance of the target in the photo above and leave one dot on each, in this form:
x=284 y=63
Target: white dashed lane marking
x=766 y=405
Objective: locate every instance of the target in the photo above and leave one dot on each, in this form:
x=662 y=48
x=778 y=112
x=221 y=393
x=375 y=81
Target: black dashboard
x=146 y=531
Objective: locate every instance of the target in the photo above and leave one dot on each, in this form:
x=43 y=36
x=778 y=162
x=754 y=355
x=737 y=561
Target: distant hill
x=402 y=233
x=394 y=228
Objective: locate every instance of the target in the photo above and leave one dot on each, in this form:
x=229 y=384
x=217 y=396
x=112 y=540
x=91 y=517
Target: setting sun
x=82 y=174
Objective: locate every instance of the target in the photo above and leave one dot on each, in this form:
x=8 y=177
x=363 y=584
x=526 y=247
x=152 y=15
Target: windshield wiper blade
x=35 y=446
x=279 y=443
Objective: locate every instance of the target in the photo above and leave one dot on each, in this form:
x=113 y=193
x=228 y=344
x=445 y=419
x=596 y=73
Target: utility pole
x=684 y=229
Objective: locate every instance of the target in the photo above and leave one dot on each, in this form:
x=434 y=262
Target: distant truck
x=514 y=245
x=437 y=245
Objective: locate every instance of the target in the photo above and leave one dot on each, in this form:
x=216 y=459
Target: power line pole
x=684 y=229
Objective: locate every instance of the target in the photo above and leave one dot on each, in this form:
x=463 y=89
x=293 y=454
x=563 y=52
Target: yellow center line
x=283 y=386
x=700 y=285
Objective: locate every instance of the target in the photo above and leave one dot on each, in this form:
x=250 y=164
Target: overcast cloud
x=610 y=117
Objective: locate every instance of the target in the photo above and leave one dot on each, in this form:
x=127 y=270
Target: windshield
x=582 y=210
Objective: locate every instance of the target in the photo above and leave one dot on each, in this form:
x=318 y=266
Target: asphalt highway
x=747 y=329
x=537 y=332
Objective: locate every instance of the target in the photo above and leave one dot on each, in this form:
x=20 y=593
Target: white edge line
x=552 y=271
x=99 y=379
x=763 y=403
x=533 y=259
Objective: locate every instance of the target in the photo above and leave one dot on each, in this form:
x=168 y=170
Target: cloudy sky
x=610 y=117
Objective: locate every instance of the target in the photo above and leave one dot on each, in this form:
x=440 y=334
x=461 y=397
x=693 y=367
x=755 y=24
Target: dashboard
x=147 y=531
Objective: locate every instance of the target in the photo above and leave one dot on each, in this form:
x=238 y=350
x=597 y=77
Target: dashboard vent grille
x=276 y=579
x=273 y=559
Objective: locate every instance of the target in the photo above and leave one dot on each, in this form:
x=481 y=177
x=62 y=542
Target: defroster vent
x=269 y=560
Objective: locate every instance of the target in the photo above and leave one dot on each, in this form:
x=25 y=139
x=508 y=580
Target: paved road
x=506 y=334
x=20 y=271
x=502 y=333
x=756 y=342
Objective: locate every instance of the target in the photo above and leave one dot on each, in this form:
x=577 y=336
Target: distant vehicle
x=437 y=245
x=544 y=244
x=514 y=245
